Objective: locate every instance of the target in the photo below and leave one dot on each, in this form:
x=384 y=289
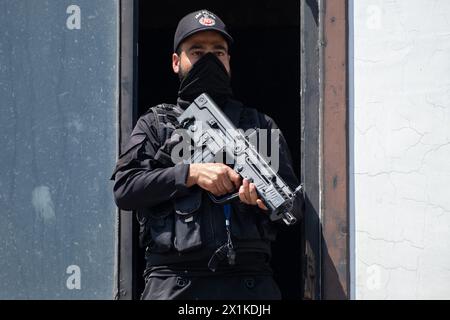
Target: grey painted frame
x=126 y=278
x=324 y=109
x=310 y=145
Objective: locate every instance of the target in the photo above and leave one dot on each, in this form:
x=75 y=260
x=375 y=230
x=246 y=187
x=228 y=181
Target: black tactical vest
x=191 y=227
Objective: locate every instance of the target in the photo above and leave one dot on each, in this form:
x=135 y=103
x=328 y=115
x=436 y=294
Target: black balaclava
x=208 y=75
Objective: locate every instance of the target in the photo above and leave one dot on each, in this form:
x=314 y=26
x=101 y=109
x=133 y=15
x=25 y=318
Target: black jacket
x=181 y=224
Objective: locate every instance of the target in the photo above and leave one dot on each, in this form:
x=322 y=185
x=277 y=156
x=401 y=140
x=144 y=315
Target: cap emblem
x=206 y=18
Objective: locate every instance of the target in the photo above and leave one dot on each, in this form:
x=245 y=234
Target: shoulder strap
x=164 y=113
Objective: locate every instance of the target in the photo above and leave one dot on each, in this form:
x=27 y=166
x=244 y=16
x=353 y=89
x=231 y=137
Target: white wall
x=400 y=138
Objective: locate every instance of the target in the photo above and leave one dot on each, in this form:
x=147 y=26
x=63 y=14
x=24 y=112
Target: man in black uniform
x=183 y=231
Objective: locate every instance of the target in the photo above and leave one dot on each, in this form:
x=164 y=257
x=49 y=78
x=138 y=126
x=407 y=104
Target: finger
x=221 y=187
x=261 y=204
x=253 y=196
x=229 y=186
x=245 y=185
x=242 y=196
x=238 y=182
x=220 y=184
x=247 y=192
x=214 y=190
x=234 y=177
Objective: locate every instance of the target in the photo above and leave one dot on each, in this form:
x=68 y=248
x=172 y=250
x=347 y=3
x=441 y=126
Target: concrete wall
x=400 y=148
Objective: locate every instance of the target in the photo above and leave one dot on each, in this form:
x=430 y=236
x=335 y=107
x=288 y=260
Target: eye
x=220 y=53
x=197 y=53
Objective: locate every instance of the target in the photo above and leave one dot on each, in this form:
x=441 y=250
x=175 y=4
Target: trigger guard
x=223 y=199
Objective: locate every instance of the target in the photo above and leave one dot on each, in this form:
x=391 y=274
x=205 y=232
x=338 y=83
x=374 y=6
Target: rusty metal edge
x=335 y=218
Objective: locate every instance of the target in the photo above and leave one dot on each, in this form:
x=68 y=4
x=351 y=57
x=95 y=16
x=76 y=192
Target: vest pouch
x=187 y=221
x=156 y=228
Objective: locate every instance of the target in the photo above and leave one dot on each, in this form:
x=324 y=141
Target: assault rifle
x=214 y=135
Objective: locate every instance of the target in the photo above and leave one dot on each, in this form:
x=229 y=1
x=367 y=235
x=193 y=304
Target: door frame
x=324 y=149
x=335 y=163
x=324 y=105
x=125 y=282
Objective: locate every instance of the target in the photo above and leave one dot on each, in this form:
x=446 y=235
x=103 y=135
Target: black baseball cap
x=197 y=21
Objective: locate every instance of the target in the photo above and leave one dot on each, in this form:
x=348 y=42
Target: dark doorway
x=265 y=75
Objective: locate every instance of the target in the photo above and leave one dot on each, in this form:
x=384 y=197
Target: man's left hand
x=248 y=195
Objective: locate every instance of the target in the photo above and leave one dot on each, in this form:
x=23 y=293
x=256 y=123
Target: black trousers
x=211 y=288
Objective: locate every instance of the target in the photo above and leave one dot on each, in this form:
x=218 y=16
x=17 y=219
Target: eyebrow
x=195 y=46
x=219 y=46
x=198 y=46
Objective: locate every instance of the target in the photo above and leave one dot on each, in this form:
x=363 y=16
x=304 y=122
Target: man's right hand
x=217 y=178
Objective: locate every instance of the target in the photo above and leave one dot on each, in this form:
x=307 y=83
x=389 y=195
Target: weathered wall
x=400 y=148
x=58 y=135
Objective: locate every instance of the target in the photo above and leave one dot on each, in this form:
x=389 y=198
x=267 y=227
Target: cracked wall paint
x=400 y=132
